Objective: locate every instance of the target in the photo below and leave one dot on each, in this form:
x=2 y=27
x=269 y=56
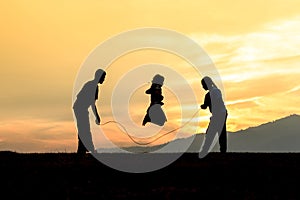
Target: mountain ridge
x=280 y=135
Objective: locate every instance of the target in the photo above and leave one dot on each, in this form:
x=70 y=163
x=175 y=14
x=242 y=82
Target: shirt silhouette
x=217 y=125
x=86 y=98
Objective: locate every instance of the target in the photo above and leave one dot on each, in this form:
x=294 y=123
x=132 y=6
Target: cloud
x=273 y=40
x=259 y=69
x=36 y=135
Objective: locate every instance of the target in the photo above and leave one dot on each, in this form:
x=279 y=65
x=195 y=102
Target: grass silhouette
x=227 y=176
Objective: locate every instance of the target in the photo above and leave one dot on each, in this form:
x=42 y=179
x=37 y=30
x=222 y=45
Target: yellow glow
x=254 y=45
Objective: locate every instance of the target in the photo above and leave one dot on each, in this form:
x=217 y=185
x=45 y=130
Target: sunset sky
x=254 y=45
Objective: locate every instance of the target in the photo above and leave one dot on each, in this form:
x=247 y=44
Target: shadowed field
x=229 y=176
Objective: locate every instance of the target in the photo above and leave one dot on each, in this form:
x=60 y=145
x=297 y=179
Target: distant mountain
x=282 y=135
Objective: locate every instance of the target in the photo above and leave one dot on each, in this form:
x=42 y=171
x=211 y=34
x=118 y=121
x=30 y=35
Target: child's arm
x=206 y=101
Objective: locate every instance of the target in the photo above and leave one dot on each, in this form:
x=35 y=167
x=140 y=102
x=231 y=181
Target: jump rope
x=152 y=141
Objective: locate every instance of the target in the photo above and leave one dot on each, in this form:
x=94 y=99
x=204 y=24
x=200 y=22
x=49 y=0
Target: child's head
x=158 y=79
x=207 y=83
x=100 y=75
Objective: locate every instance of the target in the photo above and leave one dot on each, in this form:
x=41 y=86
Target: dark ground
x=229 y=176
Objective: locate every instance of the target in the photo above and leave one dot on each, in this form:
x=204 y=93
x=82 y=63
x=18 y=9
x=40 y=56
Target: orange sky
x=254 y=46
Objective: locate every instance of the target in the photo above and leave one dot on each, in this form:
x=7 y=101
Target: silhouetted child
x=217 y=125
x=154 y=112
x=87 y=98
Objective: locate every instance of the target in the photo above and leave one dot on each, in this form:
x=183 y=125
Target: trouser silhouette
x=155 y=115
x=85 y=142
x=217 y=126
x=223 y=138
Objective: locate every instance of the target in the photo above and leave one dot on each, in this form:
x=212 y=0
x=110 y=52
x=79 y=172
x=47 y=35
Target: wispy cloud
x=36 y=135
x=259 y=69
x=242 y=57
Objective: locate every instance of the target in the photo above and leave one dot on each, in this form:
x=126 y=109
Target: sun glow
x=254 y=45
